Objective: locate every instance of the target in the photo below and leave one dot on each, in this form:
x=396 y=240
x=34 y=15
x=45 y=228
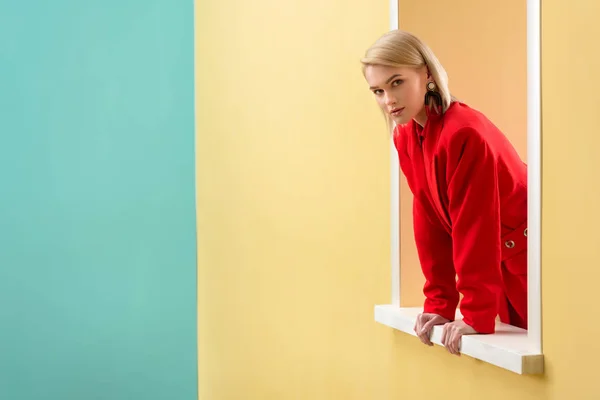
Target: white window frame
x=512 y=348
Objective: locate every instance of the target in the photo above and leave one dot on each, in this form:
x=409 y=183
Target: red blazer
x=470 y=215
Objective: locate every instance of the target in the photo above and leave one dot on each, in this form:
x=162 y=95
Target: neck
x=421 y=117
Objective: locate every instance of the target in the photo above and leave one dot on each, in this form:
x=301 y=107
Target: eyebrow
x=386 y=82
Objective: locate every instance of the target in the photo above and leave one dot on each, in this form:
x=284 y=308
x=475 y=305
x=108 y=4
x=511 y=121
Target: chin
x=402 y=120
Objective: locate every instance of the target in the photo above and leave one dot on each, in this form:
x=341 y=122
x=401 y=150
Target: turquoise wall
x=97 y=205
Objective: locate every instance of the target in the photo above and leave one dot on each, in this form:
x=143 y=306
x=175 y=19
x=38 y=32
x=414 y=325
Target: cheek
x=415 y=94
x=417 y=102
x=380 y=102
x=413 y=100
x=407 y=94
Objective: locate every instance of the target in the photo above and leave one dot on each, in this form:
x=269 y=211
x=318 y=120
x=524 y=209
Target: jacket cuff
x=484 y=325
x=447 y=312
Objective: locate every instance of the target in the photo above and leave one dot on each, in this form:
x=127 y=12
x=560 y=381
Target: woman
x=470 y=193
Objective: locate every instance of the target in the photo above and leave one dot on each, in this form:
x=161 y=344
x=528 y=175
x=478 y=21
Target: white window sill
x=508 y=348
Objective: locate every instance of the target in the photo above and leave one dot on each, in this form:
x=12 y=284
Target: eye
x=397 y=82
x=377 y=91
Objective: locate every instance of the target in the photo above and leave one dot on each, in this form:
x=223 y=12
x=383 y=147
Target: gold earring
x=433 y=96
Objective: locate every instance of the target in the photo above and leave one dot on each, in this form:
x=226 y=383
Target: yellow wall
x=290 y=144
x=293 y=201
x=571 y=195
x=487 y=67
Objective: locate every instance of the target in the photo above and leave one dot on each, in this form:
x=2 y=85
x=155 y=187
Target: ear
x=424 y=71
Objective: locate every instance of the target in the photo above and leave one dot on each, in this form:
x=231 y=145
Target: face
x=400 y=92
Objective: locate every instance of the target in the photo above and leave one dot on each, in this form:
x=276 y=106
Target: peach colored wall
x=486 y=60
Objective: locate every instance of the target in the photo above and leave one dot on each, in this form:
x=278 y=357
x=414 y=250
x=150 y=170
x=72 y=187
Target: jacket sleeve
x=474 y=208
x=434 y=247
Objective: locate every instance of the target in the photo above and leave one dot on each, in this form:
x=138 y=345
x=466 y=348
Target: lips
x=397 y=111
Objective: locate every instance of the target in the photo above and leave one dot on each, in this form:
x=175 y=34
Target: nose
x=389 y=100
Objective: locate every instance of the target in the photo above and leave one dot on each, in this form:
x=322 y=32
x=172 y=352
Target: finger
x=427 y=334
x=418 y=326
x=418 y=323
x=450 y=340
x=426 y=331
x=455 y=340
x=428 y=325
x=444 y=334
x=424 y=337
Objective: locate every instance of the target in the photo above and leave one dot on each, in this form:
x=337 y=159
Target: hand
x=424 y=325
x=452 y=333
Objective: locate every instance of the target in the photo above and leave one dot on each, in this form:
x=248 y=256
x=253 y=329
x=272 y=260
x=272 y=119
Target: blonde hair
x=399 y=48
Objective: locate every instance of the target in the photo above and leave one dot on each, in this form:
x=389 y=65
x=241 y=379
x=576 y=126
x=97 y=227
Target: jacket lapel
x=433 y=128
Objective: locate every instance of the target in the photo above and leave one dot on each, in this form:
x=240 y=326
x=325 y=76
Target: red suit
x=470 y=216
